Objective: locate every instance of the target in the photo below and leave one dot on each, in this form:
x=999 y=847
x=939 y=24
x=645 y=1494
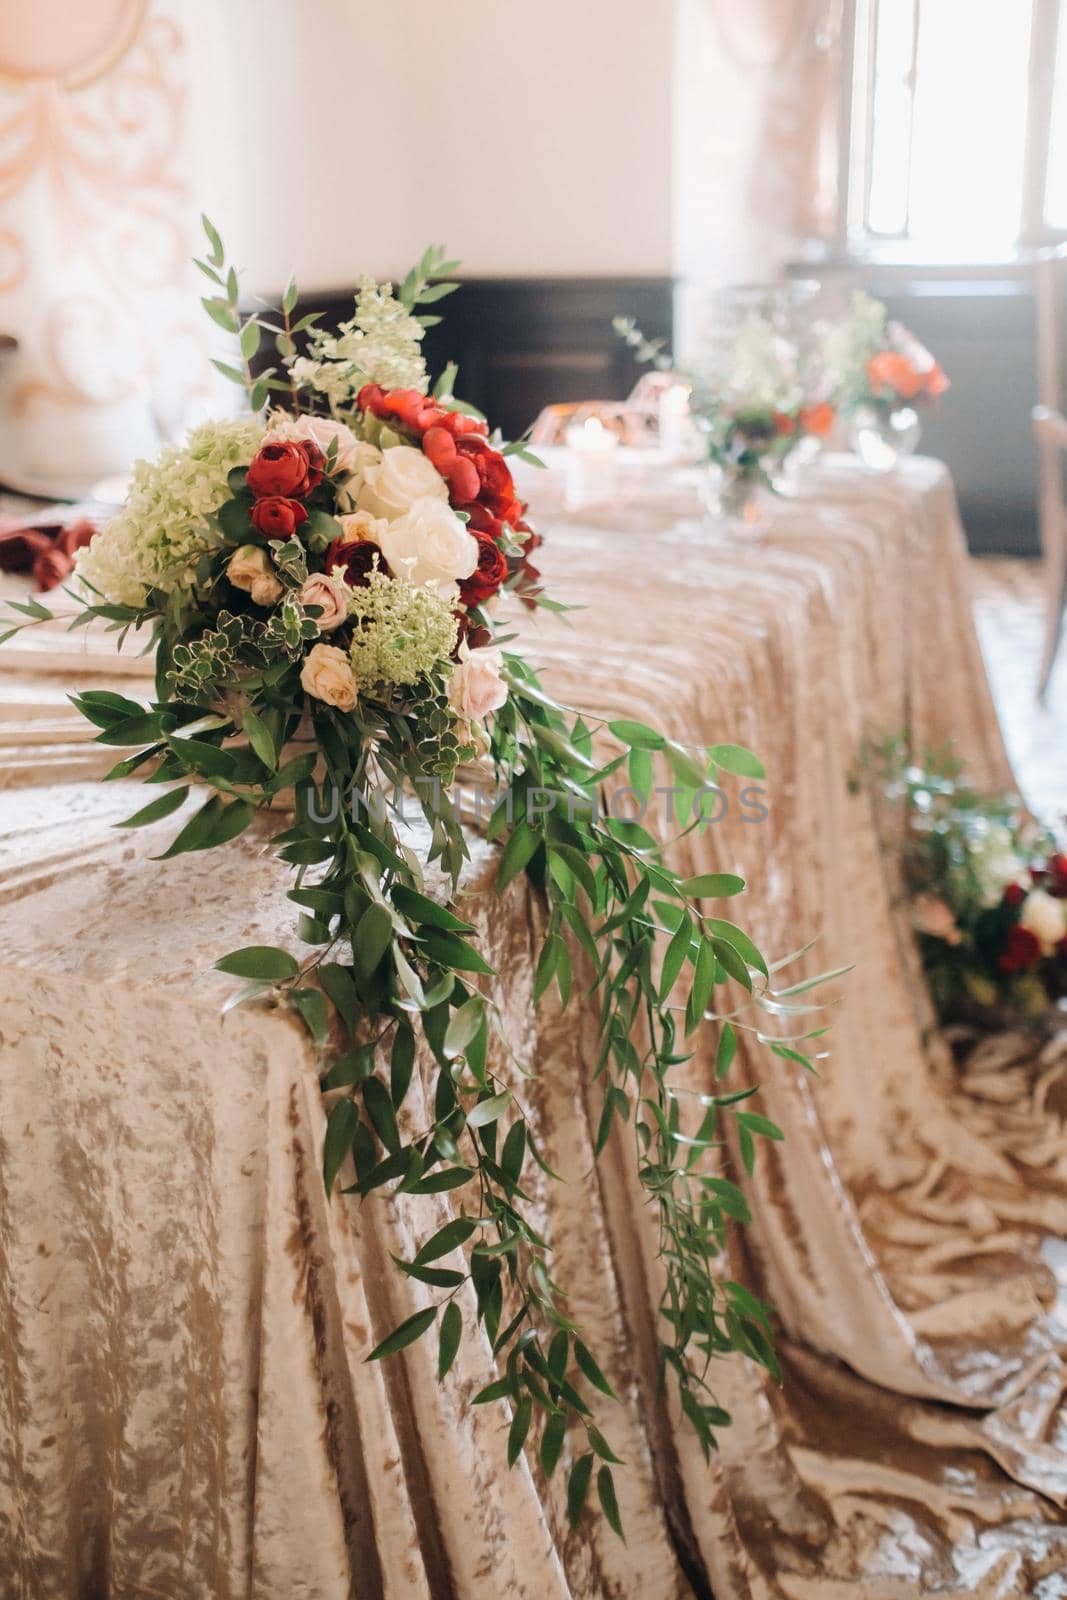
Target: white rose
x=331 y=594
x=476 y=687
x=393 y=484
x=357 y=526
x=430 y=544
x=327 y=674
x=250 y=569
x=1046 y=918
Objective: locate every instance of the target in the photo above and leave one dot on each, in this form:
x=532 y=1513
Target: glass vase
x=882 y=436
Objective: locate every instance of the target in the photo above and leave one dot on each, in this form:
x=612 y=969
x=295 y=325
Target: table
x=184 y=1317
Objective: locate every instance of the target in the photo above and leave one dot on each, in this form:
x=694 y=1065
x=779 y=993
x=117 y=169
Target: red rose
x=355 y=561
x=1021 y=953
x=315 y=463
x=1014 y=894
x=471 y=633
x=1057 y=871
x=280 y=470
x=487 y=576
x=277 y=517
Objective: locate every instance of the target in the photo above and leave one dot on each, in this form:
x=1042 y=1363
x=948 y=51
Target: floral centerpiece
x=988 y=890
x=327 y=588
x=761 y=401
x=882 y=376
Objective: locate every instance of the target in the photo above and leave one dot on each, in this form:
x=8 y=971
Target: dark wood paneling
x=980 y=323
x=524 y=343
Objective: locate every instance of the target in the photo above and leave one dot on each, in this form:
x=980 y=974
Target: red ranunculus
x=495 y=486
x=415 y=412
x=355 y=561
x=277 y=517
x=487 y=576
x=470 y=633
x=280 y=469
x=1021 y=953
x=315 y=463
x=1014 y=894
x=817 y=420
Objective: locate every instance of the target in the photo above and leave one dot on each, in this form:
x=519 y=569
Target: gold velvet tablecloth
x=185 y=1408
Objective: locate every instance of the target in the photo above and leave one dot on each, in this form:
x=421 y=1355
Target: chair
x=1050 y=430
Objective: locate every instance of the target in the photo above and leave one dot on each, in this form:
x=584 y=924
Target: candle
x=590 y=462
x=675 y=421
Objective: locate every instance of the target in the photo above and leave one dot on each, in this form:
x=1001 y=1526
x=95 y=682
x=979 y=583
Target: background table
x=184 y=1318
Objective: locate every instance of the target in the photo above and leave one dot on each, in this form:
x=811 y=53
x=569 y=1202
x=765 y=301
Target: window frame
x=855 y=237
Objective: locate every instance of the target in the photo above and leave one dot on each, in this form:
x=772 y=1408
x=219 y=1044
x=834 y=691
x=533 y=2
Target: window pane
x=972 y=79
x=887 y=204
x=1056 y=184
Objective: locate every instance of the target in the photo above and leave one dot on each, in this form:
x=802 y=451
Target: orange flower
x=889 y=370
x=935 y=381
x=784 y=424
x=817 y=419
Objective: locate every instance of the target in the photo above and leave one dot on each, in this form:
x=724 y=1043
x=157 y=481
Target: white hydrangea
x=995 y=863
x=850 y=343
x=380 y=343
x=155 y=539
x=762 y=373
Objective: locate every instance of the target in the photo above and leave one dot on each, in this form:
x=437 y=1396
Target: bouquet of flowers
x=988 y=894
x=874 y=362
x=326 y=590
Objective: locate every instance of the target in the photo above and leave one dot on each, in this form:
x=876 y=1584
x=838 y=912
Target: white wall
x=332 y=136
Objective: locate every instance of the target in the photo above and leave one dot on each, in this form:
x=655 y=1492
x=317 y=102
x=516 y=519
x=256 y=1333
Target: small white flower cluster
x=762 y=374
x=156 y=538
x=995 y=863
x=381 y=343
x=849 y=344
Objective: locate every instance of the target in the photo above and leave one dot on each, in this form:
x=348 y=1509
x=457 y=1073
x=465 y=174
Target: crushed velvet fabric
x=185 y=1408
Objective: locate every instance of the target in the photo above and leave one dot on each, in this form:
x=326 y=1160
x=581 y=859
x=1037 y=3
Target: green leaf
x=372 y=938
x=443 y=1180
x=213 y=825
x=520 y=1427
x=450 y=950
x=490 y=1110
x=156 y=809
x=727 y=1049
x=401 y=1064
x=592 y=1371
x=713 y=886
x=406 y=1334
x=445 y=1240
x=311 y=1005
x=601 y=1446
x=250 y=337
x=757 y=1124
x=675 y=955
x=463 y=1026
x=380 y=1111
x=605 y=1486
x=732 y=963
x=578 y=1487
x=451 y=1333
x=218 y=254
x=289 y=298
x=520 y=848
x=552 y=1442
x=736 y=759
x=207 y=759
x=219 y=311
x=340 y=1131
x=637 y=735
x=337 y=981
x=514 y=1152
x=420 y=908
x=259 y=961
x=740 y=941
x=258 y=736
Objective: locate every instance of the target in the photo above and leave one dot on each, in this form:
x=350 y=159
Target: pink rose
x=323 y=431
x=476 y=687
x=330 y=595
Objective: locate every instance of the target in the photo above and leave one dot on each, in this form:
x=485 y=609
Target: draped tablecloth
x=185 y=1407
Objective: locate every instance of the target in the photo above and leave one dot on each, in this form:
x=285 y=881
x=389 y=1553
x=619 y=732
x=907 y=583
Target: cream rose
x=331 y=594
x=402 y=476
x=430 y=545
x=1046 y=918
x=356 y=526
x=476 y=687
x=327 y=674
x=250 y=570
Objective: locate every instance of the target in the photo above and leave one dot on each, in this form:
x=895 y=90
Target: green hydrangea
x=402 y=634
x=154 y=541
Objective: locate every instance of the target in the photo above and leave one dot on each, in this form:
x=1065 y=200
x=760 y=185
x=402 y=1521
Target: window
x=958 y=127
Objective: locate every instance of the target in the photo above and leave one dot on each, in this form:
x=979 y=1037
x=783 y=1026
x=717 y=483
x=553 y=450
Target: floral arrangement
x=988 y=892
x=326 y=589
x=756 y=410
x=875 y=362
